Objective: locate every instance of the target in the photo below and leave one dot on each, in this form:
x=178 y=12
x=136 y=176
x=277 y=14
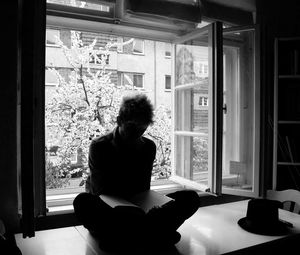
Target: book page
x=114 y=201
x=148 y=199
x=144 y=200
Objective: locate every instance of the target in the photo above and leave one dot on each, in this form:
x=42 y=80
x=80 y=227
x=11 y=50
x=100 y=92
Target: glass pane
x=85 y=4
x=192 y=158
x=192 y=64
x=238 y=118
x=52 y=36
x=138 y=46
x=192 y=113
x=167 y=82
x=138 y=80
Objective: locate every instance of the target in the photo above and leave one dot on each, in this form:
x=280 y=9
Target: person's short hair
x=136 y=108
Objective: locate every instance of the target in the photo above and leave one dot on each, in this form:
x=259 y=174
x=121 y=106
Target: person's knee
x=83 y=200
x=84 y=205
x=189 y=200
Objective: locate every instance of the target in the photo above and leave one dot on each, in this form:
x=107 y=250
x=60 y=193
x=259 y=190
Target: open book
x=145 y=200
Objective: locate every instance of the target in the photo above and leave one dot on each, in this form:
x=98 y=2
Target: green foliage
x=200 y=154
x=55 y=177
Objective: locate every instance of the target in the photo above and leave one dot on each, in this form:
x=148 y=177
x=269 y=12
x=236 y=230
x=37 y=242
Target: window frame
x=258 y=187
x=214 y=31
x=106 y=27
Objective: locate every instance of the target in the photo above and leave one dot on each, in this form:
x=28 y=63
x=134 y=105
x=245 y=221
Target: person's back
x=120 y=169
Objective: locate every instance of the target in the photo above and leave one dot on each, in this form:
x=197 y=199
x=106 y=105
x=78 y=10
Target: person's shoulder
x=102 y=140
x=148 y=142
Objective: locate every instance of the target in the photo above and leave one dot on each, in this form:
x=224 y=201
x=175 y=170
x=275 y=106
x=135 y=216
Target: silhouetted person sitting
x=121 y=165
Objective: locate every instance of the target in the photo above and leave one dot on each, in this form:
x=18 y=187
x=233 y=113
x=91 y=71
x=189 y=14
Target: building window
x=203 y=101
x=167 y=50
x=130 y=45
x=51 y=78
x=52 y=35
x=201 y=68
x=133 y=80
x=99 y=58
x=168 y=82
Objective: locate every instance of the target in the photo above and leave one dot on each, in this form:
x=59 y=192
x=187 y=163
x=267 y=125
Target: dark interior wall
x=8 y=109
x=277 y=18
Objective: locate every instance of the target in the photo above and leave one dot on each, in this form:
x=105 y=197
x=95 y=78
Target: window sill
x=58 y=203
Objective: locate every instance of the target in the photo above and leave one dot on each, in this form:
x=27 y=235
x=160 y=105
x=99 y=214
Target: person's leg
x=187 y=202
x=119 y=228
x=171 y=216
x=92 y=212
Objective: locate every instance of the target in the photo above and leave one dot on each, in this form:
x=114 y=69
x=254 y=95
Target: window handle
x=224 y=108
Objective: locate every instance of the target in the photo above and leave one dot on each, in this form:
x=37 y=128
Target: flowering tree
x=85 y=105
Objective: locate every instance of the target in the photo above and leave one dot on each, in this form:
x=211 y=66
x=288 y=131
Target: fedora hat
x=262 y=217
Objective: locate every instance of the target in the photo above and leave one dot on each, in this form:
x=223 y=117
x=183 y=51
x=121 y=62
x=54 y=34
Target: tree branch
x=83 y=85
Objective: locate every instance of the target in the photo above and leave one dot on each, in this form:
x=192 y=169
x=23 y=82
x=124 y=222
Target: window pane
x=190 y=116
x=51 y=78
x=167 y=50
x=138 y=80
x=238 y=120
x=190 y=62
x=52 y=36
x=195 y=149
x=82 y=4
x=167 y=82
x=138 y=46
x=128 y=79
x=193 y=122
x=131 y=45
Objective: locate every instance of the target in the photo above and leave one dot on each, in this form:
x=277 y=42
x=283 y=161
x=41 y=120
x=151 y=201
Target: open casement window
x=240 y=175
x=197 y=132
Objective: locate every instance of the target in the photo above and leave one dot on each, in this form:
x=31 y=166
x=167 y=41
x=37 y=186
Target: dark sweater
x=119 y=169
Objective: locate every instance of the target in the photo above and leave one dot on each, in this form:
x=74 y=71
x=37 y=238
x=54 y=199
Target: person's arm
x=151 y=153
x=97 y=165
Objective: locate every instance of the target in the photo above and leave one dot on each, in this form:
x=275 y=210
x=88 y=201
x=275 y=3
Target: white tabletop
x=214 y=230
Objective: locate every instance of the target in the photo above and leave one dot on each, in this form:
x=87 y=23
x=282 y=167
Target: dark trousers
x=128 y=227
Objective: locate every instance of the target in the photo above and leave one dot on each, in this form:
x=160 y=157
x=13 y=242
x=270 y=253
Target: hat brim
x=278 y=228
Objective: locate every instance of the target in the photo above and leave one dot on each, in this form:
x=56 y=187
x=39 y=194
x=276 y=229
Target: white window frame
x=215 y=111
x=257 y=188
